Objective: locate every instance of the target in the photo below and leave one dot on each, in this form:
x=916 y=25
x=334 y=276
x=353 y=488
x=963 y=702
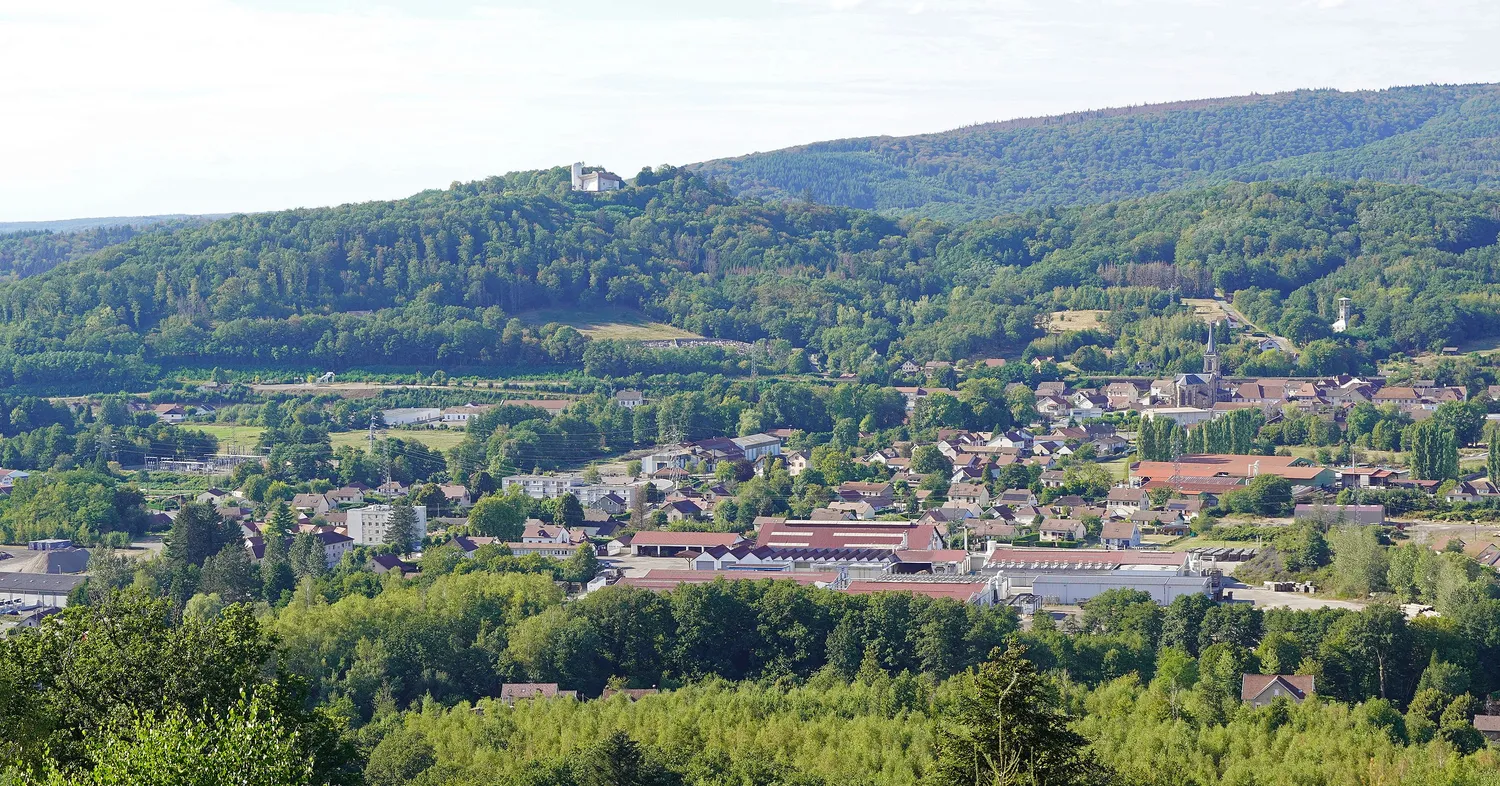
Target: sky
x=208 y=106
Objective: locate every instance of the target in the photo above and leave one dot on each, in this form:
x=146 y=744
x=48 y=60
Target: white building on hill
x=595 y=181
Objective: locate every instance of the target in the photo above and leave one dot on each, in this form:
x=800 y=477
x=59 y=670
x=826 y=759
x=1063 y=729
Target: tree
x=583 y=565
x=402 y=532
x=501 y=516
x=248 y=745
x=1360 y=564
x=1432 y=450
x=569 y=511
x=431 y=497
x=1492 y=454
x=198 y=532
x=307 y=557
x=618 y=760
x=94 y=669
x=927 y=459
x=399 y=758
x=1183 y=621
x=231 y=575
x=1007 y=730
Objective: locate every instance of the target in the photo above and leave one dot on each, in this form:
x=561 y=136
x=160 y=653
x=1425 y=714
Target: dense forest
x=444 y=278
x=350 y=678
x=1439 y=136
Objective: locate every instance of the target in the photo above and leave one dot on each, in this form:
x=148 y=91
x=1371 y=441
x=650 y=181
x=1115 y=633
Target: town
x=1195 y=486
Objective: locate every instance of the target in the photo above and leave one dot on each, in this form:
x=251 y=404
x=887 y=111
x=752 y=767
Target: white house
x=463 y=413
x=1185 y=416
x=335 y=546
x=368 y=525
x=411 y=416
x=629 y=399
x=538 y=531
x=1120 y=535
x=757 y=446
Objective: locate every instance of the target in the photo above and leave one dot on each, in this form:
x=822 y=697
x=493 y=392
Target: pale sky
x=137 y=107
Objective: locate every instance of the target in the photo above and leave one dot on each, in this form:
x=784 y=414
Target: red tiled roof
x=661 y=580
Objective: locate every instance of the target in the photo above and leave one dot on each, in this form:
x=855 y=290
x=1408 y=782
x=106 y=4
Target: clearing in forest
x=607 y=323
x=1070 y=321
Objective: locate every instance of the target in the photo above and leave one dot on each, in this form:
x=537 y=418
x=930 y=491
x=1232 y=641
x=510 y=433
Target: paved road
x=1284 y=344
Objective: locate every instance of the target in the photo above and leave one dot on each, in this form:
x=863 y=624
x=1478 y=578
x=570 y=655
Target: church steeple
x=1211 y=354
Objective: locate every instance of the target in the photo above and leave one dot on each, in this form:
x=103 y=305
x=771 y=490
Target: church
x=1201 y=390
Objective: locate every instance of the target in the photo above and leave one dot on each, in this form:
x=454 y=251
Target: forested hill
x=438 y=280
x=1439 y=136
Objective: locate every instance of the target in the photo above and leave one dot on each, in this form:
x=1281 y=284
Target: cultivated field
x=1070 y=321
x=607 y=323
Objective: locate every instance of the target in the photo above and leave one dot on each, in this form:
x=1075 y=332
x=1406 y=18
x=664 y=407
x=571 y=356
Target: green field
x=436 y=438
x=230 y=432
x=607 y=323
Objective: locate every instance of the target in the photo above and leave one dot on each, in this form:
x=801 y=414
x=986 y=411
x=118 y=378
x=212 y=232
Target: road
x=1284 y=344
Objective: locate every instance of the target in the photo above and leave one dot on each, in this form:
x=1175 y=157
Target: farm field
x=230 y=432
x=607 y=323
x=436 y=438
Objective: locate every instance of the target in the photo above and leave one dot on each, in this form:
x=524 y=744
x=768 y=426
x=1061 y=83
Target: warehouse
x=38 y=589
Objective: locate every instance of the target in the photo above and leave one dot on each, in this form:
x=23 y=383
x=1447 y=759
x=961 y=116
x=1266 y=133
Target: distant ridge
x=1441 y=136
x=80 y=224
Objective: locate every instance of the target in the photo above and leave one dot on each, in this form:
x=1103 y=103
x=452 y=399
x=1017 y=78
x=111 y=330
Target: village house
x=1120 y=535
x=510 y=693
x=1125 y=500
x=1016 y=497
x=538 y=531
x=1259 y=690
x=973 y=493
x=348 y=495
x=1062 y=529
x=314 y=504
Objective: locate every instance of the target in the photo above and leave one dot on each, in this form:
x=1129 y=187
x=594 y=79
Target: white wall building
x=757 y=446
x=595 y=181
x=368 y=525
x=38 y=589
x=548 y=486
x=411 y=416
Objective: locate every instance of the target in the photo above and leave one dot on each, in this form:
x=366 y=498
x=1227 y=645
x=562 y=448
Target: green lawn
x=230 y=432
x=1119 y=468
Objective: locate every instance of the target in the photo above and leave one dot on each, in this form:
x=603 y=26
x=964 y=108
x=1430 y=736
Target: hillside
x=1438 y=136
x=446 y=279
x=81 y=224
